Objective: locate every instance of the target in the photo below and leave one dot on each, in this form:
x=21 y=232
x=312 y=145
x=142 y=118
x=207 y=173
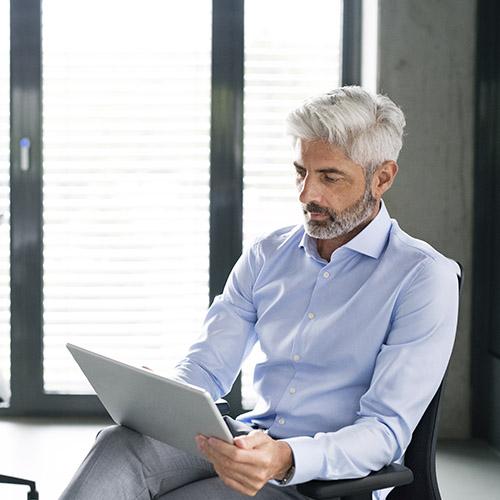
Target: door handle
x=24 y=160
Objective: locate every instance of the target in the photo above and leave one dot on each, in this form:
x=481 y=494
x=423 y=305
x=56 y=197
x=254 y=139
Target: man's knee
x=118 y=435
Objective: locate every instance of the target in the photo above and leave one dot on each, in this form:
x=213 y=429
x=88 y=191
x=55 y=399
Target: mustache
x=315 y=209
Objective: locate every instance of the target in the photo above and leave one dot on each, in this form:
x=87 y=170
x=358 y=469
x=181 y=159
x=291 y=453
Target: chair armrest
x=391 y=475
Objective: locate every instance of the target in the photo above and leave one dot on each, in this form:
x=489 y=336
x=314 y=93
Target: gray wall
x=426 y=63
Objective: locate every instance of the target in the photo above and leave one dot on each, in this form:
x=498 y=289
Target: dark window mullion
x=26 y=207
x=351 y=42
x=226 y=150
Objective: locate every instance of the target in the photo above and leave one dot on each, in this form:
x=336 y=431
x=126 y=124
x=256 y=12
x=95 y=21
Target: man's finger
x=245 y=475
x=248 y=476
x=229 y=451
x=249 y=468
x=251 y=440
x=229 y=458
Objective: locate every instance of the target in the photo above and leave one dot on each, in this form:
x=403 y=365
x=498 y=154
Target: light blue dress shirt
x=353 y=349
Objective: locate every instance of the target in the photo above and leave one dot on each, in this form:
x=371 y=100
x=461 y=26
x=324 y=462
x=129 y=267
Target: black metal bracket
x=32 y=494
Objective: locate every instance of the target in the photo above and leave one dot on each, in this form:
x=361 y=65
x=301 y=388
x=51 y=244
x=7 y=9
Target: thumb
x=251 y=440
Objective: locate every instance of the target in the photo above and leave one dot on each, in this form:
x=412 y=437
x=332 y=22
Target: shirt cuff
x=308 y=459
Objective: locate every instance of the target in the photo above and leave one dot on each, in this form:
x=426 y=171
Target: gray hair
x=367 y=127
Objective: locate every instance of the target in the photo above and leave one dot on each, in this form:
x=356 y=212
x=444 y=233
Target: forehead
x=315 y=154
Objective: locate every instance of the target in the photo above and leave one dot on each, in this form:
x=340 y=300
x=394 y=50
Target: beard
x=339 y=223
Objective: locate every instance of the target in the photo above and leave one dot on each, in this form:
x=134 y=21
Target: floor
x=49 y=452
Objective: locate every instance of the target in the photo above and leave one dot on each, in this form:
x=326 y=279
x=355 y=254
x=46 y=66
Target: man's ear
x=383 y=177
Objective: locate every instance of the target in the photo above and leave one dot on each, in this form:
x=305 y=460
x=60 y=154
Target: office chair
x=416 y=480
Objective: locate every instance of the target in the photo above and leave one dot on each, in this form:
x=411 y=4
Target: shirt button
x=326 y=274
x=296 y=357
x=281 y=421
x=292 y=390
x=310 y=315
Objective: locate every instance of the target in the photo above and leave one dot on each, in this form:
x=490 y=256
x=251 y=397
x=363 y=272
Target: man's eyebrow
x=331 y=170
x=326 y=170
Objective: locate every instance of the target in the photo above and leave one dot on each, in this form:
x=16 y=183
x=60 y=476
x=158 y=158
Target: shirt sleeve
x=408 y=371
x=214 y=361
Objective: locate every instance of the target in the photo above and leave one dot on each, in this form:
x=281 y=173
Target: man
x=356 y=321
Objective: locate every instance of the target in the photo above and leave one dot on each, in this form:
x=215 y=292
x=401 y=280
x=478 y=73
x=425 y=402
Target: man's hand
x=248 y=464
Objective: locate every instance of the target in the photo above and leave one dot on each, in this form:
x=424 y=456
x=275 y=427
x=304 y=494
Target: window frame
x=226 y=188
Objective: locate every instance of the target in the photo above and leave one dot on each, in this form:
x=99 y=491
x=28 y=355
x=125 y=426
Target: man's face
x=334 y=193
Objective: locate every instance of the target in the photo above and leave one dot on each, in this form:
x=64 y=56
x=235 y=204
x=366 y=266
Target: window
x=123 y=225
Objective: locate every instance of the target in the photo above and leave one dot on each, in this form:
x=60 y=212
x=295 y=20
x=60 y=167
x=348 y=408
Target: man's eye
x=301 y=173
x=331 y=179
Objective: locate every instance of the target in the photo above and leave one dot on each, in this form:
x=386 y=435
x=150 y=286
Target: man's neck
x=327 y=247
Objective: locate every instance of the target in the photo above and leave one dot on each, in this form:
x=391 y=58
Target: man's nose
x=309 y=190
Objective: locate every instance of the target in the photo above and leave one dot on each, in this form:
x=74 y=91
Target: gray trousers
x=126 y=465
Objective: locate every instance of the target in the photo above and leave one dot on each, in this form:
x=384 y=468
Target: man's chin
x=320 y=230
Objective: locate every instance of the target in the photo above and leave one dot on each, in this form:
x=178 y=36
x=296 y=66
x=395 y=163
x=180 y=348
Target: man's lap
x=128 y=465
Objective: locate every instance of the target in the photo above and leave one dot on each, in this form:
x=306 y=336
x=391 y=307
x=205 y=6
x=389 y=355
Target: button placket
x=310 y=314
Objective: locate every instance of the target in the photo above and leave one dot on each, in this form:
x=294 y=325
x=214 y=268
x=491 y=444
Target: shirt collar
x=370 y=241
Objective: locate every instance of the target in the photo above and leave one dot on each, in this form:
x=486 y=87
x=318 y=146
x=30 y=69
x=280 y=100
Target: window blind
x=4 y=196
x=292 y=51
x=126 y=99
x=369 y=49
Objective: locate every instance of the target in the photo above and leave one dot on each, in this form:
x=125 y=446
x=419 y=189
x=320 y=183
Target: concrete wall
x=426 y=63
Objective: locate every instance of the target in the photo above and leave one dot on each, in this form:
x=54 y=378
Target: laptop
x=164 y=409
